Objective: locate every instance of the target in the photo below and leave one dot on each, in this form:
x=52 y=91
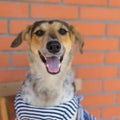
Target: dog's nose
x=53 y=46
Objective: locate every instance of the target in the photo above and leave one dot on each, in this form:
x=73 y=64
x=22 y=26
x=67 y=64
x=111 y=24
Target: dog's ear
x=24 y=35
x=77 y=38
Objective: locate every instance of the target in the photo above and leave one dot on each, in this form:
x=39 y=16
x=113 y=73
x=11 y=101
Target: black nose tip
x=53 y=46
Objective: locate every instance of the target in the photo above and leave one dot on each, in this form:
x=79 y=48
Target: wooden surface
x=9 y=88
x=4 y=108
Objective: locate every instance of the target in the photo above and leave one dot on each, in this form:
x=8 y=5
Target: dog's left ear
x=77 y=38
x=24 y=35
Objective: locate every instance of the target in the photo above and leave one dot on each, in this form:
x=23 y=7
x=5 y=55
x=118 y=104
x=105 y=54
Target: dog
x=49 y=81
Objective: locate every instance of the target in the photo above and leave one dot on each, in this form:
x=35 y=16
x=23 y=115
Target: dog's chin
x=52 y=63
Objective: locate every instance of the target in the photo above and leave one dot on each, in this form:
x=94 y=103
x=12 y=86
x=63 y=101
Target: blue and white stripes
x=61 y=112
x=64 y=111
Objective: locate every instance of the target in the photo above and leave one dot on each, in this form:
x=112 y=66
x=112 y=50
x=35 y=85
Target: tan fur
x=40 y=87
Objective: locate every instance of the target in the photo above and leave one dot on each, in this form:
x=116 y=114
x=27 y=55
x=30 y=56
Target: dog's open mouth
x=53 y=63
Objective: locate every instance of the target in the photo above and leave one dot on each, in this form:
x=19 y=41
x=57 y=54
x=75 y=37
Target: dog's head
x=51 y=41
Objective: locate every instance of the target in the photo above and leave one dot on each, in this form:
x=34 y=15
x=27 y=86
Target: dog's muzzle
x=53 y=62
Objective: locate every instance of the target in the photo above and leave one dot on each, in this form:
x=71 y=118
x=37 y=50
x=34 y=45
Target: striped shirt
x=64 y=111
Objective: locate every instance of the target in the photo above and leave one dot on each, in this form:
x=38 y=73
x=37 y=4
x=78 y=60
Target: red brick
x=54 y=11
x=4 y=60
x=6 y=41
x=94 y=111
x=111 y=111
x=12 y=75
x=118 y=98
x=91 y=86
x=118 y=71
x=3 y=26
x=99 y=13
x=98 y=100
x=88 y=58
x=13 y=9
x=16 y=26
x=117 y=119
x=90 y=29
x=113 y=30
x=111 y=85
x=97 y=72
x=19 y=60
x=101 y=44
x=112 y=58
x=114 y=3
x=52 y=1
x=86 y=2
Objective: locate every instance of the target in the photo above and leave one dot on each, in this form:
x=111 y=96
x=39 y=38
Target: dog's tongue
x=53 y=64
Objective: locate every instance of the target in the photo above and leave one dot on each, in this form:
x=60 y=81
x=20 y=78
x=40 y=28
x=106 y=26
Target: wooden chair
x=7 y=89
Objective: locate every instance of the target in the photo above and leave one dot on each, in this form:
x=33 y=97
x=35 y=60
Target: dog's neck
x=43 y=89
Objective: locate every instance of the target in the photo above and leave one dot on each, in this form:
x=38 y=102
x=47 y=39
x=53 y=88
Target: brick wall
x=99 y=66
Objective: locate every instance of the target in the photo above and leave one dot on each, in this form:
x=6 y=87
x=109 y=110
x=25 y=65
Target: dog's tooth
x=59 y=65
x=47 y=65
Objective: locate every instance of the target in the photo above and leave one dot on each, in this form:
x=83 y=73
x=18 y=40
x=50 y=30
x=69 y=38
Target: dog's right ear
x=24 y=35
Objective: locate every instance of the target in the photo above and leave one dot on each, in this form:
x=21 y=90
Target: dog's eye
x=39 y=33
x=62 y=31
